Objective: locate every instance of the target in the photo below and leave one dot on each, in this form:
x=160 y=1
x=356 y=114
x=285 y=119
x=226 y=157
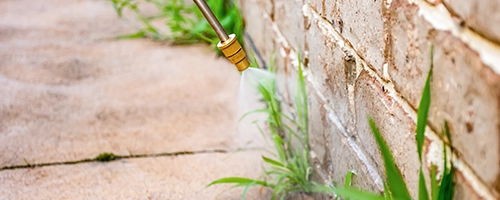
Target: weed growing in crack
x=185 y=22
x=106 y=157
x=395 y=188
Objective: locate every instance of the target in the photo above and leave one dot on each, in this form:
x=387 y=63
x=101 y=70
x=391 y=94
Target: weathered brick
x=396 y=127
x=332 y=148
x=398 y=130
x=288 y=17
x=459 y=74
x=258 y=26
x=481 y=15
x=466 y=93
x=361 y=23
x=327 y=66
x=409 y=58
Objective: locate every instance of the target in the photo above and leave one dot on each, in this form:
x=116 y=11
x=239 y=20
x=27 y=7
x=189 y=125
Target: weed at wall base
x=288 y=169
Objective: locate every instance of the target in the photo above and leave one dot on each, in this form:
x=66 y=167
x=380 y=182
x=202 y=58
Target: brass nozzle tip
x=233 y=51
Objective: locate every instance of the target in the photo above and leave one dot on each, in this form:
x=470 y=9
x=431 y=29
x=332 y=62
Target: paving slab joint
x=108 y=157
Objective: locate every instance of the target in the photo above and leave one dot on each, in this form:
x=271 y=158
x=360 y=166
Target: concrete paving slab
x=178 y=177
x=69 y=91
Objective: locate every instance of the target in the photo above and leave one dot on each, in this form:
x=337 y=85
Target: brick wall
x=370 y=58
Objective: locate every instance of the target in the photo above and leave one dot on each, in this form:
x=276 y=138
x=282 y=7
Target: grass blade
x=357 y=194
x=434 y=185
x=347 y=182
x=387 y=194
x=244 y=194
x=138 y=34
x=423 y=109
x=301 y=101
x=395 y=180
x=446 y=188
x=263 y=135
x=348 y=193
x=422 y=188
x=278 y=143
x=448 y=135
x=239 y=181
x=264 y=110
x=348 y=178
x=272 y=162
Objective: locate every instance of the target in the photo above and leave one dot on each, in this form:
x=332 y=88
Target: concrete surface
x=69 y=91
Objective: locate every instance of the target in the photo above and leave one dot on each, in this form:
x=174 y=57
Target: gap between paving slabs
x=107 y=157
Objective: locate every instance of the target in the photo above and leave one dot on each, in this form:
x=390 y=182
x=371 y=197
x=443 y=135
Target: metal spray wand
x=228 y=44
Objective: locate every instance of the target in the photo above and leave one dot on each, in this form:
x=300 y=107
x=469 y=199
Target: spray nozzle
x=229 y=45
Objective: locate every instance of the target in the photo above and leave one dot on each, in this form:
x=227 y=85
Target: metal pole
x=212 y=20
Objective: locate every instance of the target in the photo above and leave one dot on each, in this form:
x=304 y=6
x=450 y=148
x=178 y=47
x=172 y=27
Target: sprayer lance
x=228 y=44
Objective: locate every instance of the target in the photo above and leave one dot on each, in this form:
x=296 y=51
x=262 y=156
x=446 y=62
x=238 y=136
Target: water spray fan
x=228 y=44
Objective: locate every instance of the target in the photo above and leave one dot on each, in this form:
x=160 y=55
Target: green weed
x=288 y=170
x=185 y=22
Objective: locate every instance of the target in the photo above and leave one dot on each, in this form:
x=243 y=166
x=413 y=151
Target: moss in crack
x=106 y=157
